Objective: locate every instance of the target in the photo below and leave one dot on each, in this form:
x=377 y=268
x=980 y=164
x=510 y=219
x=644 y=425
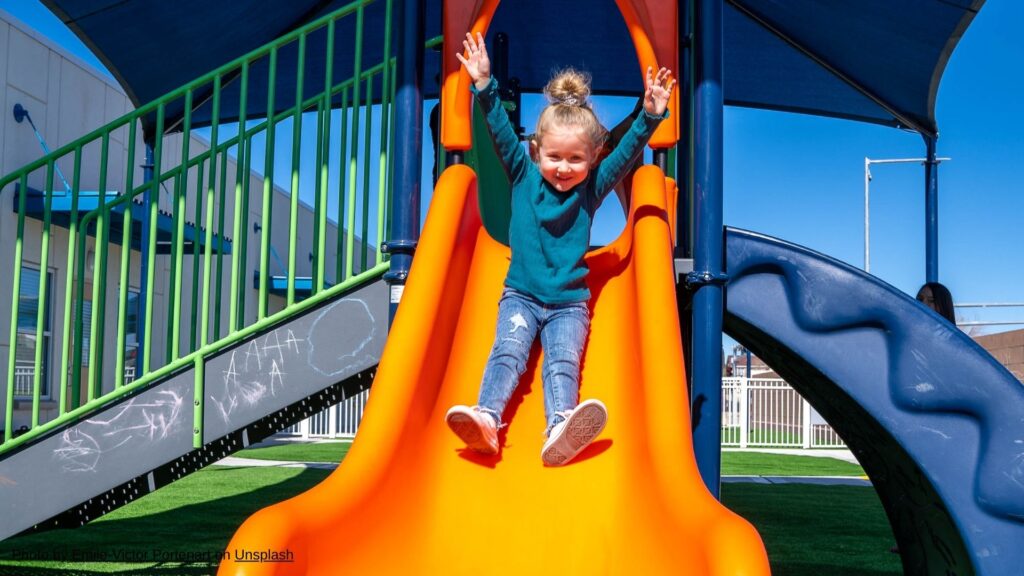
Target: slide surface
x=937 y=423
x=409 y=500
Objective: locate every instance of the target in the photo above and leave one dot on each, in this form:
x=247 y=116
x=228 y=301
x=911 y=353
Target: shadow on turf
x=803 y=569
x=200 y=528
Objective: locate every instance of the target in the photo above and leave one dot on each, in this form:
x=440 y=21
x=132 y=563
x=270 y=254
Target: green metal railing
x=189 y=266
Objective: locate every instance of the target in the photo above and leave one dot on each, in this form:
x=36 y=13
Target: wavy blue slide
x=937 y=423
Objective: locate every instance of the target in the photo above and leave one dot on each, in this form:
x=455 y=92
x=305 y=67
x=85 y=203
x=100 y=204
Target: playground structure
x=918 y=388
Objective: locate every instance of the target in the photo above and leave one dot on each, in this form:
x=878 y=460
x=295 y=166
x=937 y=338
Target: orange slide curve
x=408 y=499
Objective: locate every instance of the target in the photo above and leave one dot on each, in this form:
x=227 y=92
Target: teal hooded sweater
x=549 y=233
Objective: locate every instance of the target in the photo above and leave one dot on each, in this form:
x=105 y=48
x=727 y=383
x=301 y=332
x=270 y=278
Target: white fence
x=338 y=421
x=24 y=379
x=756 y=412
x=768 y=412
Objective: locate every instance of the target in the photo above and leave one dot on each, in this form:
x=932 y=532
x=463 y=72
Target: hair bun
x=569 y=87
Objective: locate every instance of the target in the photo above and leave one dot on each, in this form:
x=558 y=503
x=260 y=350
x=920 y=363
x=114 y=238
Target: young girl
x=554 y=198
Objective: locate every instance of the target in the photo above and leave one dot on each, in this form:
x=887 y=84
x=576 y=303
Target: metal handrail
x=203 y=179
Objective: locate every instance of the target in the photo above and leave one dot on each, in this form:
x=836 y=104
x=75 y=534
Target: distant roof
x=877 y=61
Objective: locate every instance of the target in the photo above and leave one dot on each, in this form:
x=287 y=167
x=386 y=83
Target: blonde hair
x=568 y=94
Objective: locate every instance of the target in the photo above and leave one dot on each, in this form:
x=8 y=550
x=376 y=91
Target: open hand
x=477 y=64
x=658 y=91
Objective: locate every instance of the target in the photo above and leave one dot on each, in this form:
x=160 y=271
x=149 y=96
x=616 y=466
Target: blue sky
x=801 y=178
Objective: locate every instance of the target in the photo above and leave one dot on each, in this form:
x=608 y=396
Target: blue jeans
x=563 y=332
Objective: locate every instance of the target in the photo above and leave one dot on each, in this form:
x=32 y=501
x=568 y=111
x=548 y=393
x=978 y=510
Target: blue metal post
x=931 y=211
x=684 y=232
x=405 y=199
x=144 y=263
x=708 y=276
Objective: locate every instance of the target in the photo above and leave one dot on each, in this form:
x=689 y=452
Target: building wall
x=1007 y=348
x=67 y=99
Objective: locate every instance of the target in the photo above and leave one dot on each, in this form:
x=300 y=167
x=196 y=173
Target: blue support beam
x=405 y=198
x=931 y=209
x=708 y=276
x=684 y=157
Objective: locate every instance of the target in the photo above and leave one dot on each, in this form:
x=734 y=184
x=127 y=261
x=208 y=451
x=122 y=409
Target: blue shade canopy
x=877 y=61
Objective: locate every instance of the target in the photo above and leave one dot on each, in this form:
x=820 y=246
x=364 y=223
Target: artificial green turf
x=812 y=530
x=194 y=517
x=300 y=452
x=808 y=530
x=765 y=464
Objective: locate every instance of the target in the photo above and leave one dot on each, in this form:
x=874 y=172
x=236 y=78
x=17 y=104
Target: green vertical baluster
x=204 y=327
x=197 y=401
x=320 y=246
x=44 y=261
x=79 y=343
x=315 y=256
x=353 y=155
x=126 y=262
x=268 y=192
x=178 y=234
x=210 y=207
x=293 y=229
x=171 y=347
x=154 y=214
x=193 y=341
x=367 y=134
x=65 y=347
x=99 y=279
x=242 y=252
x=19 y=242
x=342 y=172
x=219 y=276
x=382 y=174
x=237 y=230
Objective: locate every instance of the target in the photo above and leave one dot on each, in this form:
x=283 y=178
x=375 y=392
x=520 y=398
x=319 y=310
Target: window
x=131 y=337
x=25 y=351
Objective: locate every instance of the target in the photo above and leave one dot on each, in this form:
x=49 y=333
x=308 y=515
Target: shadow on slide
x=937 y=423
x=409 y=500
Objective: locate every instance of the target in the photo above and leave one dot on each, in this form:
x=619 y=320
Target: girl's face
x=564 y=156
x=926 y=297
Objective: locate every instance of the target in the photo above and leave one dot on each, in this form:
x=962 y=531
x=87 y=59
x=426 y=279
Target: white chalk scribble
x=246 y=382
x=148 y=418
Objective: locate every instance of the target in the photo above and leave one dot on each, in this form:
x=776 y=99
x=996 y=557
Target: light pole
x=867 y=198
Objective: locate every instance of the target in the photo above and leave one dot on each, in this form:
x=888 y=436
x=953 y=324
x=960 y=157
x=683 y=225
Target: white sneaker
x=570 y=436
x=477 y=429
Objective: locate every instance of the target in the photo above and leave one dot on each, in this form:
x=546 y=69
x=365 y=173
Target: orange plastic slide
x=408 y=499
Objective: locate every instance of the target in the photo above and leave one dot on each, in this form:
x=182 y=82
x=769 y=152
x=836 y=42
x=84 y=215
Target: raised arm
x=655 y=104
x=478 y=65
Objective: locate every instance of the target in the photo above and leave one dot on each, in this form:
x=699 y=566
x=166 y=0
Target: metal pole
x=708 y=275
x=931 y=204
x=931 y=212
x=684 y=173
x=20 y=114
x=405 y=199
x=867 y=214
